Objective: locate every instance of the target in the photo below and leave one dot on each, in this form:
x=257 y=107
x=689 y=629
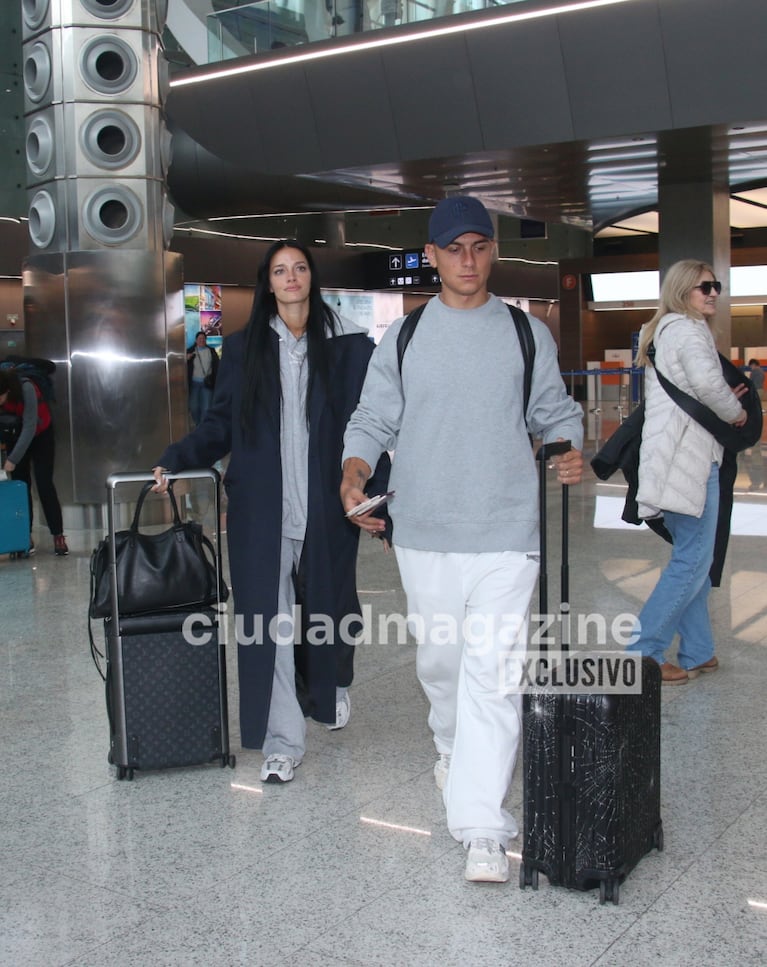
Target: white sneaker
x=343 y=711
x=441 y=769
x=278 y=768
x=487 y=862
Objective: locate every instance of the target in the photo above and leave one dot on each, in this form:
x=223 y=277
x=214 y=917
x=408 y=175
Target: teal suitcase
x=14 y=518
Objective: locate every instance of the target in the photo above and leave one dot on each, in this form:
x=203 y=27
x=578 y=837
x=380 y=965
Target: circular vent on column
x=108 y=65
x=112 y=215
x=37 y=71
x=110 y=139
x=108 y=9
x=39 y=145
x=42 y=219
x=34 y=12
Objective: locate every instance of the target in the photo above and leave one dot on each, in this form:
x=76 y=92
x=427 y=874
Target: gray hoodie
x=294 y=431
x=463 y=472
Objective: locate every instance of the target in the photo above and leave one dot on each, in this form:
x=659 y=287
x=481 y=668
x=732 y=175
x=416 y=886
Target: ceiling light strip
x=392 y=41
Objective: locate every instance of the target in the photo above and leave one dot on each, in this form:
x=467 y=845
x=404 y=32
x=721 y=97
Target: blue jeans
x=679 y=602
x=199 y=400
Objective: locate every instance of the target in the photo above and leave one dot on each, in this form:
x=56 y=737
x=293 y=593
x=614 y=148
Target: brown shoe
x=711 y=665
x=60 y=545
x=672 y=674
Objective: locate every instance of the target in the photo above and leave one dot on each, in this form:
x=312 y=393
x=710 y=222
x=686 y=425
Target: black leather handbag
x=173 y=570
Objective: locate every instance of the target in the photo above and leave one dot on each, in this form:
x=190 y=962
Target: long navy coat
x=327 y=582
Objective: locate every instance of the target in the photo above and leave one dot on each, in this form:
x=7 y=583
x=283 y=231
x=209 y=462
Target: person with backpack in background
x=32 y=445
x=202 y=369
x=465 y=512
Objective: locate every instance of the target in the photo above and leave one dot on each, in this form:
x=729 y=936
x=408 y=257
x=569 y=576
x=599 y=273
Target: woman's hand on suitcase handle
x=161 y=487
x=569 y=466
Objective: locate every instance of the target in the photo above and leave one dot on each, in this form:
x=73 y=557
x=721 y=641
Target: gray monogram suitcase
x=166 y=687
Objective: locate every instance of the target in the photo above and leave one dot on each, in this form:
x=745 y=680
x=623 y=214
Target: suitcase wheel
x=528 y=877
x=18 y=555
x=657 y=839
x=609 y=890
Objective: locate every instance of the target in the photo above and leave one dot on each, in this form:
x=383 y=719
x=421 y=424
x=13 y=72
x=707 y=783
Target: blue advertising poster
x=202 y=313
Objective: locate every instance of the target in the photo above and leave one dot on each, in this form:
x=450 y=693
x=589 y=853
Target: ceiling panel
x=717 y=59
x=432 y=98
x=616 y=70
x=520 y=84
x=283 y=108
x=343 y=111
x=223 y=117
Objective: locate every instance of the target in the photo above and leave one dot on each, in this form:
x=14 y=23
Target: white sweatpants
x=484 y=598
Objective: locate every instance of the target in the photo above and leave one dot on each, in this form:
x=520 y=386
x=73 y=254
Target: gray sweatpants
x=286 y=727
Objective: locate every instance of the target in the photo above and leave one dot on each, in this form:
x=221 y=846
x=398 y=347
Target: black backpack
x=524 y=334
x=38 y=370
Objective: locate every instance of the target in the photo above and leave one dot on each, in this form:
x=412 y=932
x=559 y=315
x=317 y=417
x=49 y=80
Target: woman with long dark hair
x=286 y=387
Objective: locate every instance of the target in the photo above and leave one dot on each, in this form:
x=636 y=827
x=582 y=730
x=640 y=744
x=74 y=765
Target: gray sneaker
x=343 y=711
x=278 y=768
x=487 y=862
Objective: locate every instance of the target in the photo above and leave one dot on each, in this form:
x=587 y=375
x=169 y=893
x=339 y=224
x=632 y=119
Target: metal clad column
x=694 y=214
x=102 y=295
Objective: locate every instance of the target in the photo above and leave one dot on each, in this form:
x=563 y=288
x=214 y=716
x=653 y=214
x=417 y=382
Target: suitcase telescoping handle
x=545 y=453
x=143 y=476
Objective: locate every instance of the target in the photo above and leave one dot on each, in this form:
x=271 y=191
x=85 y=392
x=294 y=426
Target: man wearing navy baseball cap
x=457 y=216
x=465 y=513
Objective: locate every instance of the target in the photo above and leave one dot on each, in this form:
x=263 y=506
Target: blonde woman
x=679 y=467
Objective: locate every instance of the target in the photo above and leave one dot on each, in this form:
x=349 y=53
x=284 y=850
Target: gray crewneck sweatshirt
x=463 y=470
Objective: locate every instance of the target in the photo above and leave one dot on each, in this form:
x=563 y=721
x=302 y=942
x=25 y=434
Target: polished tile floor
x=351 y=864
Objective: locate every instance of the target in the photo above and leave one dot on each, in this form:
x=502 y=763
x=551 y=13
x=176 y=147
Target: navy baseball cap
x=457 y=215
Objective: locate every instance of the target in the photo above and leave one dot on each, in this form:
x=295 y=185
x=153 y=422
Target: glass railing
x=248 y=28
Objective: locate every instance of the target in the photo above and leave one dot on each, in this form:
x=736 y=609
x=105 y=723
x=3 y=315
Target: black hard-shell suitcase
x=165 y=673
x=591 y=770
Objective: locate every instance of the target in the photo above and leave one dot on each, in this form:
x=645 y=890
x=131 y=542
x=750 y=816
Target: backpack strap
x=406 y=333
x=527 y=344
x=524 y=334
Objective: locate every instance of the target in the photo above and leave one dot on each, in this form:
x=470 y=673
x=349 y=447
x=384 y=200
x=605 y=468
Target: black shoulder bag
x=170 y=571
x=734 y=438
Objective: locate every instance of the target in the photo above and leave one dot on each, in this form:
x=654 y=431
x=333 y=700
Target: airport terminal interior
x=351 y=863
x=341 y=123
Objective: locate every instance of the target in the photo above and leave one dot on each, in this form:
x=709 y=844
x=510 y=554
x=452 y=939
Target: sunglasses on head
x=706 y=287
